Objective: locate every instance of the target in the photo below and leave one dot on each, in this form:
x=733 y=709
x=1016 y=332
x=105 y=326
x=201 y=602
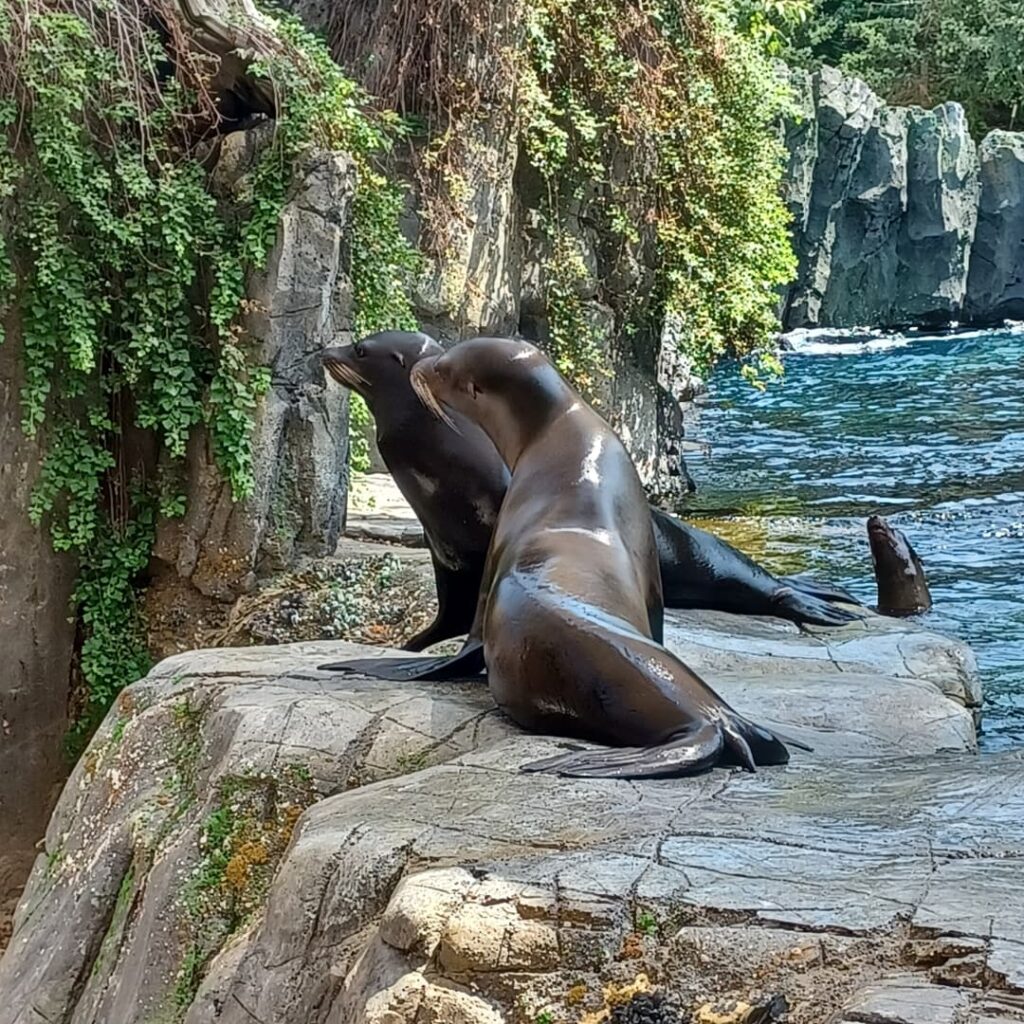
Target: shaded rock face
x=884 y=201
x=995 y=287
x=249 y=838
x=36 y=638
x=300 y=304
x=490 y=278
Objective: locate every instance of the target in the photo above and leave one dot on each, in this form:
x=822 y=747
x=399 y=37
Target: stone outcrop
x=899 y=219
x=995 y=287
x=36 y=638
x=300 y=304
x=884 y=201
x=249 y=838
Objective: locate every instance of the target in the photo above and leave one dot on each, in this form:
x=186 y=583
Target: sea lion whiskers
x=346 y=375
x=428 y=398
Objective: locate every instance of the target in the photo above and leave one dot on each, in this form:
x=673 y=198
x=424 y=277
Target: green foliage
x=925 y=51
x=657 y=122
x=133 y=279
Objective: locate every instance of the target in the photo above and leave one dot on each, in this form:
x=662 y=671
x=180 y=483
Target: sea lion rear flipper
x=801 y=607
x=825 y=591
x=467 y=664
x=729 y=740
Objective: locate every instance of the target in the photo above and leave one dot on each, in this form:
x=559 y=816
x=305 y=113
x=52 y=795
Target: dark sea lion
x=459 y=478
x=452 y=478
x=902 y=584
x=573 y=580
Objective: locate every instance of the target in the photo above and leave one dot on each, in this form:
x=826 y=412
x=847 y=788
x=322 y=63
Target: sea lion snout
x=340 y=364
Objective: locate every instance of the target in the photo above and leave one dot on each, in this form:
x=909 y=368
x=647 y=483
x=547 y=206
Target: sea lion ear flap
x=400 y=358
x=473 y=390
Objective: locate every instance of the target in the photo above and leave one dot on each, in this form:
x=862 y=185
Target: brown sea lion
x=457 y=478
x=902 y=584
x=572 y=581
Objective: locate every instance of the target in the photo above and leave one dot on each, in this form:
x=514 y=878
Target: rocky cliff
x=251 y=839
x=899 y=219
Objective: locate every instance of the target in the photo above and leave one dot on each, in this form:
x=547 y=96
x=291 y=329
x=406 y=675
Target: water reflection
x=930 y=434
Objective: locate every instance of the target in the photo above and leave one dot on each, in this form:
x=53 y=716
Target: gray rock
x=301 y=303
x=995 y=287
x=427 y=876
x=941 y=213
x=36 y=637
x=884 y=201
x=908 y=1000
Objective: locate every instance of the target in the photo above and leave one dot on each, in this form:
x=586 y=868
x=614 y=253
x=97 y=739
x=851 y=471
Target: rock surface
x=249 y=838
x=995 y=288
x=885 y=204
x=301 y=304
x=37 y=640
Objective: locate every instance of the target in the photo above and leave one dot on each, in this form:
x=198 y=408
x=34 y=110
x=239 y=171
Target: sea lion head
x=902 y=585
x=379 y=363
x=508 y=387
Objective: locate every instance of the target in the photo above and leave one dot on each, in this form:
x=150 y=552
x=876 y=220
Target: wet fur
x=570 y=580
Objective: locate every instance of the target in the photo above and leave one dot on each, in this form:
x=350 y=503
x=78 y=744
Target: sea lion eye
x=360 y=351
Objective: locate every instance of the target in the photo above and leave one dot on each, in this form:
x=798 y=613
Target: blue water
x=928 y=432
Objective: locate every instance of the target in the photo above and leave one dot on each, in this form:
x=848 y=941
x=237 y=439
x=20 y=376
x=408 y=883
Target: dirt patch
x=375 y=599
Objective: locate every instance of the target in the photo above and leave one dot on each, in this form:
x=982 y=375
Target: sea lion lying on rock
x=571 y=594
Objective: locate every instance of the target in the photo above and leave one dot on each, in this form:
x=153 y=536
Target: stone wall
x=899 y=218
x=299 y=305
x=37 y=640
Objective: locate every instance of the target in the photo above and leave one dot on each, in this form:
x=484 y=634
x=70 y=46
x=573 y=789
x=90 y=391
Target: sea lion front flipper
x=457 y=592
x=824 y=591
x=468 y=664
x=800 y=607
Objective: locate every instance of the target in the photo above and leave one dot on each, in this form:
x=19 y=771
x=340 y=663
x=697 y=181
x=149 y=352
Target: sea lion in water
x=572 y=581
x=902 y=584
x=459 y=478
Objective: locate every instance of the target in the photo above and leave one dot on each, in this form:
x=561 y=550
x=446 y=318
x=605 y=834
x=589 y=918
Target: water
x=928 y=432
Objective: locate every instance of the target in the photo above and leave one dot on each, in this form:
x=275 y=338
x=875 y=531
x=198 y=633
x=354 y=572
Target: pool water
x=927 y=431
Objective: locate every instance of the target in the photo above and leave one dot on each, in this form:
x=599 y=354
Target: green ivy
x=130 y=276
x=657 y=121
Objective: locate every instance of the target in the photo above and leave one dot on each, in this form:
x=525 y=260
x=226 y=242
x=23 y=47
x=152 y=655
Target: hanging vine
x=126 y=278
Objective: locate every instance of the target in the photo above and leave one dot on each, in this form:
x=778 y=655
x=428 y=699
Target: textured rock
x=938 y=226
x=428 y=880
x=995 y=288
x=884 y=201
x=36 y=638
x=301 y=304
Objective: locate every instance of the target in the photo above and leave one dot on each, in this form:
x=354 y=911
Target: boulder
x=995 y=287
x=249 y=837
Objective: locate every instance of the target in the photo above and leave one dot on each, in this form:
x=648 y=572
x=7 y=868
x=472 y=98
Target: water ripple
x=929 y=432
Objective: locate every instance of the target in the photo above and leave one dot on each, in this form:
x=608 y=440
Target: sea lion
x=573 y=578
x=453 y=479
x=902 y=584
x=460 y=478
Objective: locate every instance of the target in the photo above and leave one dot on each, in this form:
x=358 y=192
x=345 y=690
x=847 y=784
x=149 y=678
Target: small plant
x=545 y=1017
x=646 y=923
